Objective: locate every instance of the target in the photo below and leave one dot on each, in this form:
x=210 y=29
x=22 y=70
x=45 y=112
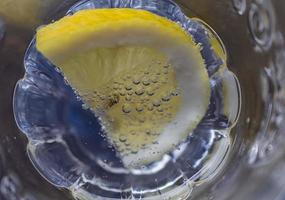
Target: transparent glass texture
x=253 y=34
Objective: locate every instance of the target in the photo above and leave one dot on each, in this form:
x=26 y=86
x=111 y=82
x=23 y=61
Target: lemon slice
x=140 y=73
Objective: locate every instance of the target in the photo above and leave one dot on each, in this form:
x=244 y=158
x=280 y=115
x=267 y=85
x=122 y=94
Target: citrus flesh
x=140 y=73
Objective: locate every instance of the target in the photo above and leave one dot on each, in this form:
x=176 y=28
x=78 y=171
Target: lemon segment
x=140 y=73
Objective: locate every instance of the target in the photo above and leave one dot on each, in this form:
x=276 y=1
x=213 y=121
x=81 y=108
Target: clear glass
x=253 y=35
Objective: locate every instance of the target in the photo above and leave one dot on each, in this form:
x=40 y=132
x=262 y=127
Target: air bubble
x=145 y=81
x=130 y=93
x=122 y=93
x=154 y=79
x=136 y=81
x=148 y=132
x=85 y=106
x=116 y=87
x=160 y=109
x=122 y=138
x=128 y=87
x=139 y=108
x=146 y=99
x=133 y=133
x=155 y=142
x=126 y=108
x=139 y=91
x=156 y=103
x=113 y=99
x=166 y=98
x=128 y=98
x=142 y=120
x=150 y=107
x=149 y=92
x=134 y=152
x=175 y=93
x=102 y=97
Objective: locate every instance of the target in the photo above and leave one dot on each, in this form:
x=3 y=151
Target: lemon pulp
x=140 y=73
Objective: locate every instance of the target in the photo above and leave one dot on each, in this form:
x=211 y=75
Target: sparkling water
x=66 y=142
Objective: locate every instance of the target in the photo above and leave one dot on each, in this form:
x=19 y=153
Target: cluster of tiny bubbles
x=72 y=147
x=138 y=93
